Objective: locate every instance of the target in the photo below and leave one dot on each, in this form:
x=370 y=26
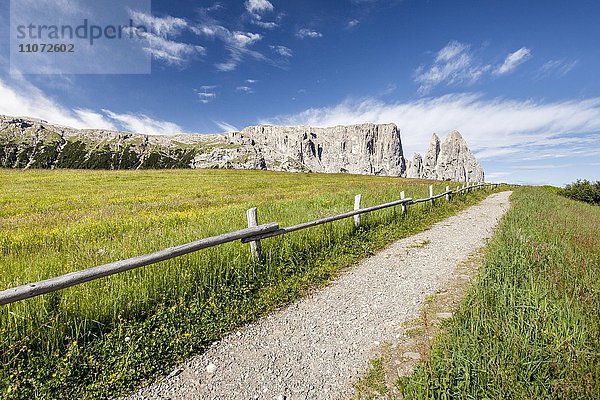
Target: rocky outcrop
x=456 y=162
x=452 y=161
x=373 y=149
x=431 y=158
x=414 y=167
x=30 y=143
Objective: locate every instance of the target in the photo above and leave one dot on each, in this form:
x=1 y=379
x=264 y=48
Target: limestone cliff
x=414 y=167
x=431 y=158
x=32 y=143
x=456 y=162
x=452 y=160
x=373 y=149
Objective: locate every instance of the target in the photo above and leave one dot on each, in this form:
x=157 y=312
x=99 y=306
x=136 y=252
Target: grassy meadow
x=530 y=327
x=103 y=338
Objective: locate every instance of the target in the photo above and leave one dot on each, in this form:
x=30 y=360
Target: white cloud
x=494 y=128
x=92 y=119
x=513 y=60
x=206 y=93
x=453 y=64
x=557 y=67
x=160 y=26
x=21 y=98
x=244 y=89
x=256 y=9
x=251 y=81
x=308 y=33
x=206 y=97
x=236 y=43
x=172 y=52
x=352 y=23
x=282 y=51
x=451 y=51
x=163 y=48
x=225 y=127
x=266 y=25
x=141 y=123
x=258 y=6
x=243 y=39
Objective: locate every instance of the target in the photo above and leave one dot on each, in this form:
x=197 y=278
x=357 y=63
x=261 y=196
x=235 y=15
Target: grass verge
x=530 y=326
x=418 y=336
x=105 y=337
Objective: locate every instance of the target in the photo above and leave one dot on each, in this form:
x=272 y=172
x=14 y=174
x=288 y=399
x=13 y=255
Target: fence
x=253 y=235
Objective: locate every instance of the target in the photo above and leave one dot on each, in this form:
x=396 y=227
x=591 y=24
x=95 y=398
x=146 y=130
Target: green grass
x=530 y=326
x=373 y=382
x=105 y=337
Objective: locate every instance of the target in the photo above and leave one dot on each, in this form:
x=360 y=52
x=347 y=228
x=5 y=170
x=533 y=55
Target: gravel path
x=316 y=348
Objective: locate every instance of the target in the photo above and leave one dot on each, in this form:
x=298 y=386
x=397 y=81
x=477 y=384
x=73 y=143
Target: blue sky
x=518 y=79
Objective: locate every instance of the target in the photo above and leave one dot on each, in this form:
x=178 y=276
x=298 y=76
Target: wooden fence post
x=431 y=195
x=402 y=197
x=252 y=217
x=357 y=199
x=447 y=193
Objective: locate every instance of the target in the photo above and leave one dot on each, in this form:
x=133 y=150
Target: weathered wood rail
x=253 y=235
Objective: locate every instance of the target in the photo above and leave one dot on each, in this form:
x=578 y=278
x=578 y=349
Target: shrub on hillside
x=583 y=190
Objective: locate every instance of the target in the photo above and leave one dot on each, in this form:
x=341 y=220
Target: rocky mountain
x=373 y=149
x=451 y=160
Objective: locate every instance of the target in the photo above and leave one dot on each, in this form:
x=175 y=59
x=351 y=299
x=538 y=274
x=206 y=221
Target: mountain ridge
x=371 y=149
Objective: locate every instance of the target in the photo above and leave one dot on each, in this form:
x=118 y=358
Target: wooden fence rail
x=253 y=234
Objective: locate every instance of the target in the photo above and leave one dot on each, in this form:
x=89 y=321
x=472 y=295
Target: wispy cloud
x=21 y=98
x=453 y=64
x=206 y=97
x=161 y=26
x=256 y=9
x=206 y=93
x=236 y=43
x=266 y=25
x=225 y=127
x=141 y=123
x=282 y=51
x=308 y=33
x=258 y=6
x=172 y=52
x=244 y=89
x=162 y=46
x=513 y=60
x=494 y=128
x=557 y=67
x=352 y=23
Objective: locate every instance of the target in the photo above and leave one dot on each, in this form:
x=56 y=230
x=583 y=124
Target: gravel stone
x=412 y=355
x=317 y=347
x=211 y=368
x=444 y=315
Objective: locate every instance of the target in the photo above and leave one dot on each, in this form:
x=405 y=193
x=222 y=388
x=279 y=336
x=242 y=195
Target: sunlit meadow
x=98 y=337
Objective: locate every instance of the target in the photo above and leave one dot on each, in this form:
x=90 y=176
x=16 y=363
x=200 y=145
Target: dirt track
x=317 y=347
